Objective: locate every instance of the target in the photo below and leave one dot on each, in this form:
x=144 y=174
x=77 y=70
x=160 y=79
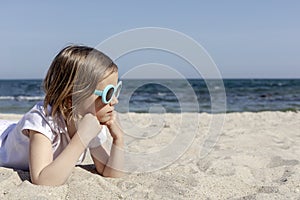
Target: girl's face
x=94 y=103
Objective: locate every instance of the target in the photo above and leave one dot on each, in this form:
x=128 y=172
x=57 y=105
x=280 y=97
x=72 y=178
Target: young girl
x=81 y=90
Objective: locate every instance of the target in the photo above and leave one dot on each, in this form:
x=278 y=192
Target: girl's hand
x=114 y=127
x=88 y=128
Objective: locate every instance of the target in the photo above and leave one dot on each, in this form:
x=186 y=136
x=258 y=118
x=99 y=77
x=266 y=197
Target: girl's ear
x=69 y=102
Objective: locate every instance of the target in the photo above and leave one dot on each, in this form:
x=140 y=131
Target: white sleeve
x=99 y=139
x=36 y=122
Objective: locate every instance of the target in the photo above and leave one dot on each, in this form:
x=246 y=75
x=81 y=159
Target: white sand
x=256 y=157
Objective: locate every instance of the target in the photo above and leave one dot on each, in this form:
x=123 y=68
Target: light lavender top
x=14 y=140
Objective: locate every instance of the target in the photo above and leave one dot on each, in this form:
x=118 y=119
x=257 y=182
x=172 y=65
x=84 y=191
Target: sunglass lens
x=109 y=94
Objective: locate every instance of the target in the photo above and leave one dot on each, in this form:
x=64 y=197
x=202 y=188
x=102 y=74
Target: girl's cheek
x=98 y=105
x=89 y=106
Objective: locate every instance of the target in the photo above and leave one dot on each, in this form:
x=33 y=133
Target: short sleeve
x=99 y=139
x=36 y=122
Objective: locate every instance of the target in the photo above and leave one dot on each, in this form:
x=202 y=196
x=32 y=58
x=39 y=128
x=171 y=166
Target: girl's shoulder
x=36 y=119
x=39 y=108
x=37 y=114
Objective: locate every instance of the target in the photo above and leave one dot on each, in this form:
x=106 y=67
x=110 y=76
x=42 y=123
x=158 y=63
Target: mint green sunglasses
x=109 y=92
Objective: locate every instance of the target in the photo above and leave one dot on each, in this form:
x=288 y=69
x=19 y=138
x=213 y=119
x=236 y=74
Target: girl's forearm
x=58 y=171
x=115 y=162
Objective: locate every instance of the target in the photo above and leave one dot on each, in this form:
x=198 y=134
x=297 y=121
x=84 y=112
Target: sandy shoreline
x=257 y=156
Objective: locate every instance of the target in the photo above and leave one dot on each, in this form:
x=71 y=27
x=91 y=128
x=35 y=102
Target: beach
x=256 y=156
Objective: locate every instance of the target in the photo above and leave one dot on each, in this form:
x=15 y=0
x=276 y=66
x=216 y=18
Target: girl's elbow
x=46 y=182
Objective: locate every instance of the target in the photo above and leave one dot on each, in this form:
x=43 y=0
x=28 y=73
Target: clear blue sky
x=246 y=39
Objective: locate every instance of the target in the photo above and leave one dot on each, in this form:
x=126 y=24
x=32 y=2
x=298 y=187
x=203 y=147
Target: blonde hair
x=72 y=77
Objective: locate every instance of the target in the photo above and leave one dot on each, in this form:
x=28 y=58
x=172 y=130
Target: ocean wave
x=7 y=98
x=22 y=98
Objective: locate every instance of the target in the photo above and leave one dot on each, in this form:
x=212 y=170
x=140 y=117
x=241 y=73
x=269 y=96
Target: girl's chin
x=104 y=119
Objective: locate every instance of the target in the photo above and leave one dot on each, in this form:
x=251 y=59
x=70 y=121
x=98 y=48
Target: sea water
x=173 y=96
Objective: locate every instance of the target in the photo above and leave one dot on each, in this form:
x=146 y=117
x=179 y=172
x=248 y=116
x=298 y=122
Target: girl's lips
x=110 y=111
